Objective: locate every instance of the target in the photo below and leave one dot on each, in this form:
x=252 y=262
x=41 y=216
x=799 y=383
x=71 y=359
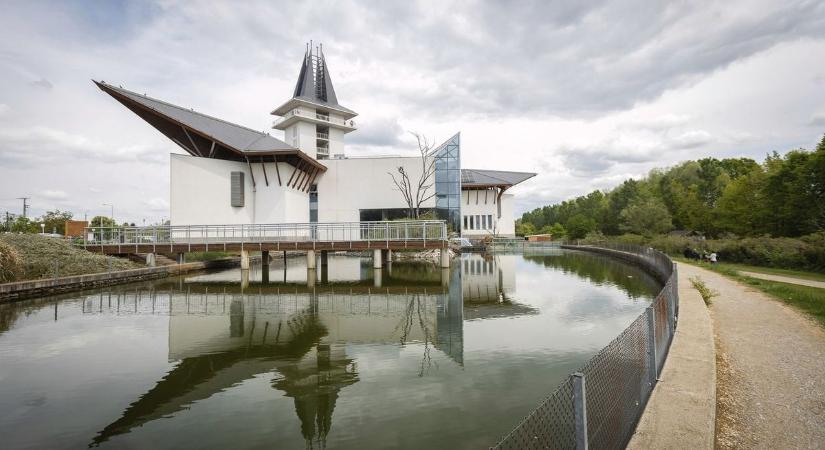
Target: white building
x=236 y=175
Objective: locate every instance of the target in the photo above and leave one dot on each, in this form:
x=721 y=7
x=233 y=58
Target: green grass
x=808 y=299
x=706 y=292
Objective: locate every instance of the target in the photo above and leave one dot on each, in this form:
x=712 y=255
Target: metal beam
x=194 y=145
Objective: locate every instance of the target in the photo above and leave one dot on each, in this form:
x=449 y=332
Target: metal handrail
x=402 y=230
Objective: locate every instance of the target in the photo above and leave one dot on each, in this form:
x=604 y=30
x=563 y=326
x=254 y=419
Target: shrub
x=11 y=267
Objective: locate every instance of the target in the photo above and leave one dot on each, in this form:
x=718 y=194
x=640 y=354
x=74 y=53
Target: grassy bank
x=810 y=300
x=44 y=257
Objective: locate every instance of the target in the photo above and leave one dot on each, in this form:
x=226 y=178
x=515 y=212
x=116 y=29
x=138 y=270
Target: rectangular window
x=236 y=195
x=490 y=221
x=472 y=224
x=478 y=221
x=465 y=221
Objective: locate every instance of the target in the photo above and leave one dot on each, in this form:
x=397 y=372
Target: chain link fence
x=599 y=405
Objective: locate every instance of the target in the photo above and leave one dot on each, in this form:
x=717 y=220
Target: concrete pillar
x=445 y=277
x=244 y=260
x=385 y=255
x=310 y=259
x=312 y=275
x=445 y=258
x=376 y=277
x=376 y=259
x=244 y=279
x=150 y=260
x=324 y=258
x=181 y=258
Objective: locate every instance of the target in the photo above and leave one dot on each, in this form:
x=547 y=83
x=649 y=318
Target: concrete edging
x=681 y=412
x=32 y=288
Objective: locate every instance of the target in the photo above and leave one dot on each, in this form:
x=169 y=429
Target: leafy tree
x=24 y=225
x=579 y=225
x=101 y=221
x=647 y=217
x=524 y=228
x=55 y=221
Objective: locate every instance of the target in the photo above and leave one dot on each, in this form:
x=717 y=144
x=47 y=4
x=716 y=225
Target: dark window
x=237 y=197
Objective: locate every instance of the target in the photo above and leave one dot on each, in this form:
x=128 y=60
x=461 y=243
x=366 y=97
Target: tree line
x=784 y=196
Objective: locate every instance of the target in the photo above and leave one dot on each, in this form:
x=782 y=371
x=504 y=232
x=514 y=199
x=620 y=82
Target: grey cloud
x=817 y=120
x=377 y=132
x=42 y=84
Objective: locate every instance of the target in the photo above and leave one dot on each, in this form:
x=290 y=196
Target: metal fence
x=600 y=404
x=407 y=230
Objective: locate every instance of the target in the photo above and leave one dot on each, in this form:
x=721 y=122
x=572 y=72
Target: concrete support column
x=386 y=255
x=376 y=277
x=150 y=260
x=312 y=275
x=324 y=258
x=445 y=277
x=244 y=279
x=376 y=259
x=310 y=259
x=445 y=258
x=244 y=260
x=181 y=258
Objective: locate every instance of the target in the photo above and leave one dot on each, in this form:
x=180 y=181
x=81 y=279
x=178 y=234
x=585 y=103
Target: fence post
x=651 y=345
x=580 y=410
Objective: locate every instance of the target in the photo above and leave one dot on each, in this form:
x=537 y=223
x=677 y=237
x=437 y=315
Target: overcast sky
x=585 y=94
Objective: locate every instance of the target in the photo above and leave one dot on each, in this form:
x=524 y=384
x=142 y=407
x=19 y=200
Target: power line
x=25 y=205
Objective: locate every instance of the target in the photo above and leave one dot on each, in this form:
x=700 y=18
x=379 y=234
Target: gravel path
x=784 y=279
x=770 y=369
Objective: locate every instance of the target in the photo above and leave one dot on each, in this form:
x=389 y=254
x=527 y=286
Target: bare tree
x=416 y=192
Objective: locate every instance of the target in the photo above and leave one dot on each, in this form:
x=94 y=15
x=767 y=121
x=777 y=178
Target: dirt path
x=784 y=279
x=770 y=369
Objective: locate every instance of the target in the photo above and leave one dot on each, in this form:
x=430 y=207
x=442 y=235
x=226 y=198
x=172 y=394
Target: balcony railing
x=311 y=115
x=320 y=135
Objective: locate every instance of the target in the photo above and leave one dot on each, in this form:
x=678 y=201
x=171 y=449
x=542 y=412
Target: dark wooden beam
x=303 y=185
x=278 y=172
x=314 y=176
x=300 y=178
x=251 y=174
x=212 y=150
x=294 y=171
x=263 y=167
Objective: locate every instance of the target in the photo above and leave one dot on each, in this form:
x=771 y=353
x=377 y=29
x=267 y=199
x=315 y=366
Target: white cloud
x=54 y=195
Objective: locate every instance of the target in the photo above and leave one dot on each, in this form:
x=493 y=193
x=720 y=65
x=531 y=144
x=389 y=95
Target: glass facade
x=448 y=182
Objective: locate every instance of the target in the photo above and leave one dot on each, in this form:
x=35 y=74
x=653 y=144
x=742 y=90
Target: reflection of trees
x=601 y=269
x=412 y=311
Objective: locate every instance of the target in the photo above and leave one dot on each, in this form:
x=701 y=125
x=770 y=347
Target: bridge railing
x=411 y=230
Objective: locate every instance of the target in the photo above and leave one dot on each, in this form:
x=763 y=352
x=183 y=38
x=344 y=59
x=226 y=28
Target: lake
x=409 y=356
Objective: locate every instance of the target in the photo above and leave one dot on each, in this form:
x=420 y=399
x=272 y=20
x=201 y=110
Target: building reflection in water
x=222 y=333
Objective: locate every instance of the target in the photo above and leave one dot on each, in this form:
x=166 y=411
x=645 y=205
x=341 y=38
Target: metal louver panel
x=237 y=189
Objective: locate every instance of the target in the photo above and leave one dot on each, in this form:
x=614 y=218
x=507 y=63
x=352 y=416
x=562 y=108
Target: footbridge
x=381 y=237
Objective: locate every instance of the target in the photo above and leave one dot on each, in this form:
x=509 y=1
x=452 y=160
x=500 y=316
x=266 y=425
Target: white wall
x=473 y=203
x=200 y=193
x=350 y=185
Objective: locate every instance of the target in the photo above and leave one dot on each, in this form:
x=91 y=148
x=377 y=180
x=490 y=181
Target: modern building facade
x=235 y=175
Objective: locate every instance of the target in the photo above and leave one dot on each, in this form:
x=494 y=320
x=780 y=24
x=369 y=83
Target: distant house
x=74 y=228
x=539 y=237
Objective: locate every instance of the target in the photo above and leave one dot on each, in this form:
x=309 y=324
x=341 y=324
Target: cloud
x=817 y=120
x=42 y=84
x=54 y=195
x=25 y=147
x=690 y=139
x=4 y=109
x=157 y=204
x=380 y=132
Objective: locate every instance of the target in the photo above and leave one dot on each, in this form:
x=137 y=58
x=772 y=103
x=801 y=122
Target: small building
x=236 y=175
x=539 y=237
x=75 y=228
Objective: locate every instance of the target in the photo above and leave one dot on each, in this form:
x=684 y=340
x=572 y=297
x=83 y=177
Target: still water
x=405 y=357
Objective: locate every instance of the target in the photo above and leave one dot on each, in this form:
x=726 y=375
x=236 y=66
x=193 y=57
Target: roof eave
x=293 y=102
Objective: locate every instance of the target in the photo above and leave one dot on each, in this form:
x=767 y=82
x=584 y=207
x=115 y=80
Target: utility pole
x=25 y=205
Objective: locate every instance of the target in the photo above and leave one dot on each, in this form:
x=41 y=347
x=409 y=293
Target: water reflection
x=332 y=339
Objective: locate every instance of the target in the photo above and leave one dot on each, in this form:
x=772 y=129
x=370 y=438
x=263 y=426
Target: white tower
x=312 y=119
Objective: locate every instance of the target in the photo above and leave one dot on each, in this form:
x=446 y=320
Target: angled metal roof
x=492 y=178
x=238 y=137
x=206 y=136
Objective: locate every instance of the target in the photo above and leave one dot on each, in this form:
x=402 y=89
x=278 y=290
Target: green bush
x=11 y=268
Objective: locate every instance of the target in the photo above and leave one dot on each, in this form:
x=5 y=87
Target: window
x=478 y=222
x=236 y=194
x=472 y=224
x=490 y=221
x=465 y=221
